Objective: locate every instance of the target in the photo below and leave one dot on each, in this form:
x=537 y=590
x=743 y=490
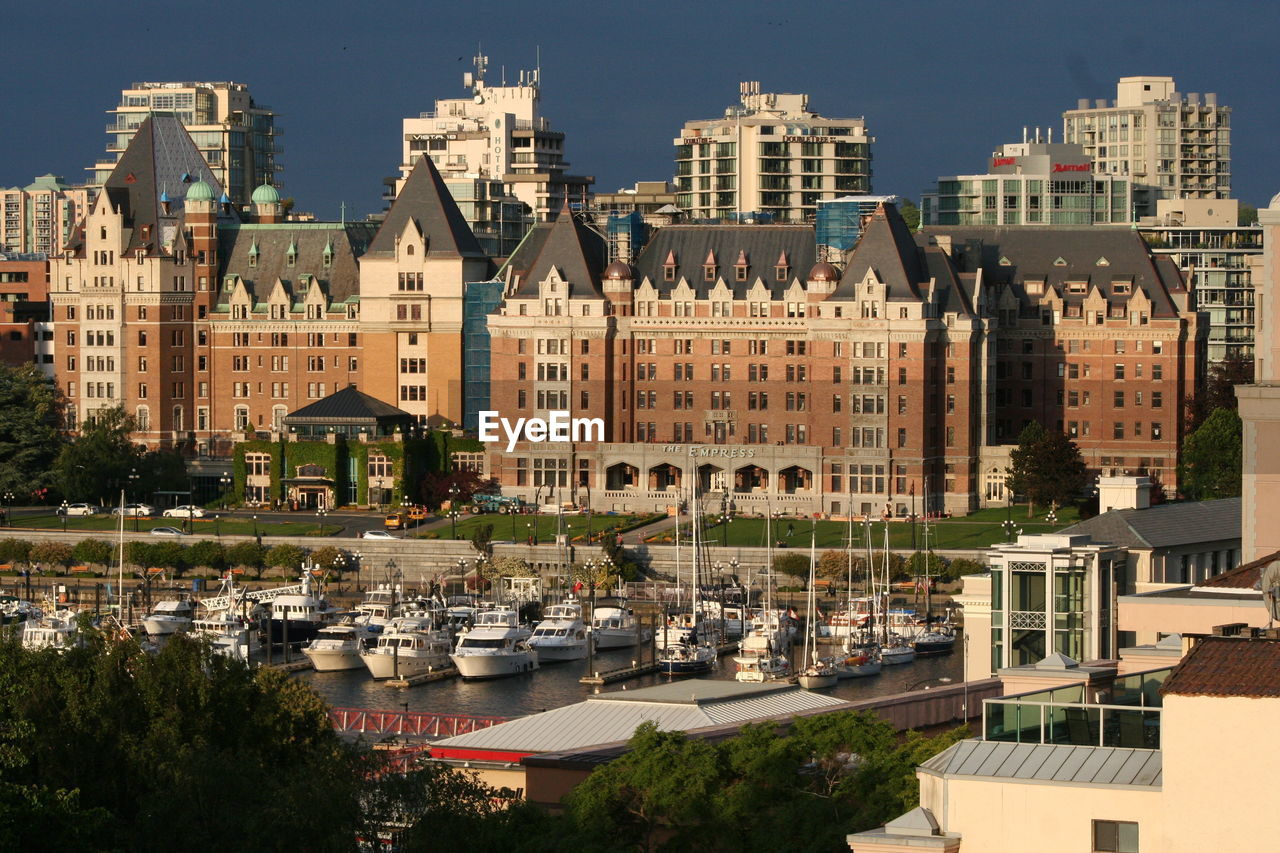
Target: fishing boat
x=689 y=640
x=407 y=647
x=561 y=635
x=497 y=646
x=296 y=618
x=223 y=627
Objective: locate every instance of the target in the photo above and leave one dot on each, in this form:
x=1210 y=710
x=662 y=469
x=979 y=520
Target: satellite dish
x=1271 y=589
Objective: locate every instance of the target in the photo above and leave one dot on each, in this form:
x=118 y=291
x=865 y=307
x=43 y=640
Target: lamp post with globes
x=225 y=482
x=133 y=487
x=320 y=514
x=64 y=516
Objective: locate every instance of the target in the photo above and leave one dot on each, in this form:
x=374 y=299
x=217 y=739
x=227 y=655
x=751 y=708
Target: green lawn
x=202 y=528
x=520 y=527
x=979 y=530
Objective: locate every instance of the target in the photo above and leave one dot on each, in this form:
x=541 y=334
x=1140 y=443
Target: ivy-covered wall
x=410 y=461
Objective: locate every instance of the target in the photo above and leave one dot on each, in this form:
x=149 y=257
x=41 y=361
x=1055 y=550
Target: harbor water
x=556 y=684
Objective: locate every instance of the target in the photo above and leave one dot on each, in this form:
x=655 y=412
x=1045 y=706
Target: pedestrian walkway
x=640 y=534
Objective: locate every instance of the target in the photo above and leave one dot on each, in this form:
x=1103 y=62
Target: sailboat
x=938 y=639
x=894 y=649
x=762 y=652
x=819 y=674
x=859 y=660
x=689 y=640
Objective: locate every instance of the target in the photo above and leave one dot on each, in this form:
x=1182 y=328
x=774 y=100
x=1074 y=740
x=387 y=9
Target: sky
x=941 y=84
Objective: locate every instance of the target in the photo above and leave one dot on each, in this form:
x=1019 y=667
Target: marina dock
x=640 y=668
x=442 y=674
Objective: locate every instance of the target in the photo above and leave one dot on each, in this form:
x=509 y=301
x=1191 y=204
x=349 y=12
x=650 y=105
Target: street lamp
x=533 y=533
x=255 y=526
x=8 y=502
x=358 y=557
x=225 y=482
x=453 y=521
x=64 y=516
x=1052 y=517
x=320 y=514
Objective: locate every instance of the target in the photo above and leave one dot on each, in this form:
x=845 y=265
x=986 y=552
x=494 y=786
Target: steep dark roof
x=1033 y=252
x=160 y=159
x=571 y=247
x=1227 y=666
x=346 y=406
x=340 y=280
x=425 y=200
x=762 y=245
x=886 y=246
x=1247 y=576
x=1165 y=526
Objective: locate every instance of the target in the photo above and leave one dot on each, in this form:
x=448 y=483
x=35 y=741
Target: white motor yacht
x=496 y=646
x=380 y=605
x=408 y=646
x=614 y=626
x=170 y=617
x=561 y=635
x=338 y=647
x=297 y=618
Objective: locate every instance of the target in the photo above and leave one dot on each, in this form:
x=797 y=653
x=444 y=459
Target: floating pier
x=442 y=674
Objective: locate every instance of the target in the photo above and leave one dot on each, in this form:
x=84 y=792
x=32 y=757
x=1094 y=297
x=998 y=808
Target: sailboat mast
x=928 y=598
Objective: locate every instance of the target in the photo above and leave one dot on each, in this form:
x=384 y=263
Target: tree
x=794 y=564
x=170 y=555
x=436 y=487
x=179 y=730
x=919 y=562
x=1248 y=215
x=910 y=214
x=139 y=554
x=286 y=557
x=30 y=423
x=834 y=566
x=55 y=555
x=96 y=466
x=482 y=540
x=1219 y=390
x=248 y=554
x=962 y=566
x=93 y=552
x=1212 y=458
x=1046 y=467
x=625 y=566
x=14 y=550
x=208 y=554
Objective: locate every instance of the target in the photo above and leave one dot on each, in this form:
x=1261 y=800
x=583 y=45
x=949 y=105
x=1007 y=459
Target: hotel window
x=1157 y=431
x=1157 y=371
x=1115 y=836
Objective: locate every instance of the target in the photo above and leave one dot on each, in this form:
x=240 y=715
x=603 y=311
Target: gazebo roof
x=348 y=406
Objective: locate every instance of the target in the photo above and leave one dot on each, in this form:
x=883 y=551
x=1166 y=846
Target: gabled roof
x=261 y=269
x=1164 y=526
x=1068 y=765
x=160 y=159
x=1061 y=254
x=426 y=201
x=1228 y=666
x=572 y=248
x=887 y=247
x=611 y=717
x=691 y=245
x=346 y=406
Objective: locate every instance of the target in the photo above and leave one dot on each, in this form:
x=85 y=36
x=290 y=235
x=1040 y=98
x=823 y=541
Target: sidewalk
x=637 y=536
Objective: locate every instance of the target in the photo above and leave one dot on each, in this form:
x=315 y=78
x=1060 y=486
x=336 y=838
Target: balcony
x=1128 y=717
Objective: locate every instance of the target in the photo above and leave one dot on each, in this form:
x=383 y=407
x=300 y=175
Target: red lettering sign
x=997 y=162
x=1072 y=167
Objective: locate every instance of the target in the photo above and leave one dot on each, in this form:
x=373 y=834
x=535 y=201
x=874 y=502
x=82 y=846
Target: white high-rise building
x=496 y=142
x=236 y=135
x=770 y=155
x=1178 y=146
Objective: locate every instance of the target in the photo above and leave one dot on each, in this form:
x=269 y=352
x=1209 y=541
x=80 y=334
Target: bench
x=79 y=570
x=6 y=567
x=153 y=571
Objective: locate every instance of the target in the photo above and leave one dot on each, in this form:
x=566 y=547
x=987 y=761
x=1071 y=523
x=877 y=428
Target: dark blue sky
x=940 y=83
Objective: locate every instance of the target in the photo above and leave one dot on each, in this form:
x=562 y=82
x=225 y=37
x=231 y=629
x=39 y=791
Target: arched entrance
x=665 y=476
x=621 y=476
x=750 y=478
x=795 y=479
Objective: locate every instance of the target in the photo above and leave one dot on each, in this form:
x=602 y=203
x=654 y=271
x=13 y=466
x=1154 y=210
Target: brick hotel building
x=207 y=324
x=788 y=384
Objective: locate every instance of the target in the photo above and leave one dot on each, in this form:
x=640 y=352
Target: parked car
x=166 y=531
x=377 y=534
x=80 y=509
x=395 y=521
x=184 y=511
x=134 y=510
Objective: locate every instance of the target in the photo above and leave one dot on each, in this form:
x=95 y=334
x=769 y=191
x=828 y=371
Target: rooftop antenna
x=537 y=73
x=343 y=207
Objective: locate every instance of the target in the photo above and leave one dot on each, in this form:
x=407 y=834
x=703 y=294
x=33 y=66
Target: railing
x=408 y=724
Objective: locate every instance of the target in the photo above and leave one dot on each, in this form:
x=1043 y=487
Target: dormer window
x=740 y=267
x=709 y=267
x=1120 y=287
x=782 y=267
x=328 y=256
x=669 y=267
x=780 y=273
